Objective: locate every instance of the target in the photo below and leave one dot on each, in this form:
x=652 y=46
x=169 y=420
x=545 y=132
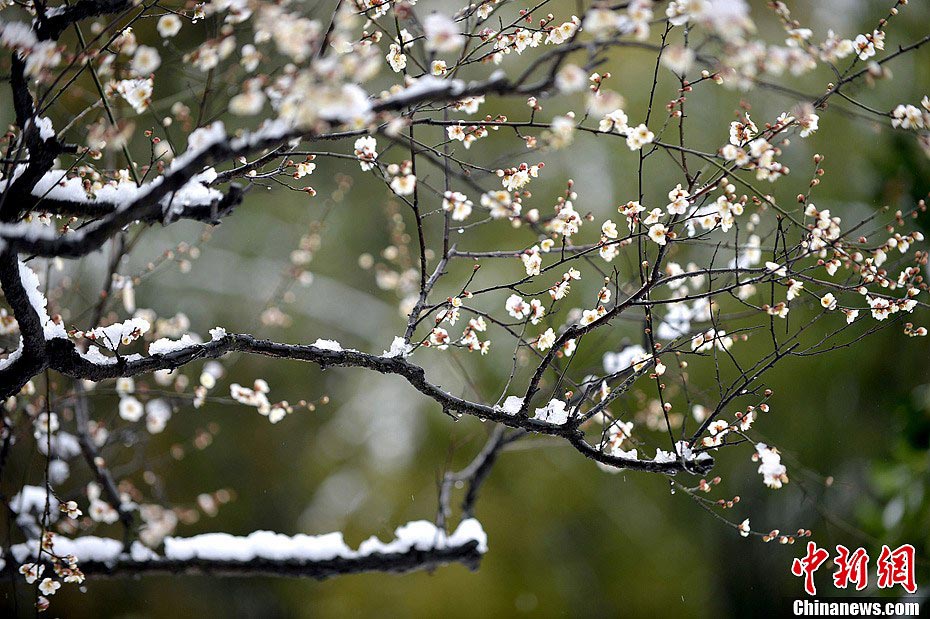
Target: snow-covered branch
x=417 y=545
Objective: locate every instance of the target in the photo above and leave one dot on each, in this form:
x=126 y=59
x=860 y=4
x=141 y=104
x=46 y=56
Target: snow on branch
x=418 y=545
x=638 y=329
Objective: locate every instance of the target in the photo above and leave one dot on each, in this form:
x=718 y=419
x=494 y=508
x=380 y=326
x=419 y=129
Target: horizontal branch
x=418 y=545
x=64 y=357
x=399 y=563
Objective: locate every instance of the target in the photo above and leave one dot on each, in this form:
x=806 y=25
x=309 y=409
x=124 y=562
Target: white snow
x=327 y=345
x=664 y=456
x=684 y=450
x=195 y=191
x=31 y=499
x=511 y=405
x=88 y=548
x=12 y=357
x=38 y=301
x=113 y=335
x=164 y=346
x=399 y=348
x=56 y=185
x=350 y=103
x=431 y=83
x=45 y=127
x=17 y=172
x=199 y=141
x=96 y=357
x=420 y=534
x=270 y=129
x=217 y=333
x=260 y=544
x=30 y=230
x=468 y=530
x=554 y=412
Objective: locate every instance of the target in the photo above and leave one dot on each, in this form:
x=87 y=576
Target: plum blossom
x=772 y=470
x=442 y=34
x=458 y=204
x=639 y=136
x=169 y=25
x=136 y=92
x=145 y=61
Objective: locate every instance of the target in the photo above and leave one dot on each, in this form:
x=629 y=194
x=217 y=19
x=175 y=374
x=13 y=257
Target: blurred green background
x=564 y=537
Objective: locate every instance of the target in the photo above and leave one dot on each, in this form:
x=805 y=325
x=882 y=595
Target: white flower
x=907 y=117
x=881 y=308
x=658 y=234
x=537 y=311
x=777 y=269
x=614 y=121
x=609 y=229
x=808 y=124
x=396 y=58
x=442 y=34
x=517 y=307
x=276 y=414
x=366 y=151
x=100 y=511
x=678 y=58
x=32 y=571
x=864 y=47
x=250 y=57
x=439 y=338
x=546 y=340
x=639 y=136
x=145 y=61
x=304 y=168
x=404 y=185
x=601 y=23
x=653 y=217
x=500 y=204
x=563 y=32
x=247 y=103
x=137 y=93
x=571 y=78
x=456 y=132
x=828 y=301
x=590 y=316
x=130 y=408
x=678 y=201
x=772 y=470
x=169 y=25
x=458 y=204
x=49 y=586
x=562 y=131
x=43 y=55
x=158 y=412
x=532 y=260
x=744 y=528
x=470 y=105
x=125 y=385
x=71 y=508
